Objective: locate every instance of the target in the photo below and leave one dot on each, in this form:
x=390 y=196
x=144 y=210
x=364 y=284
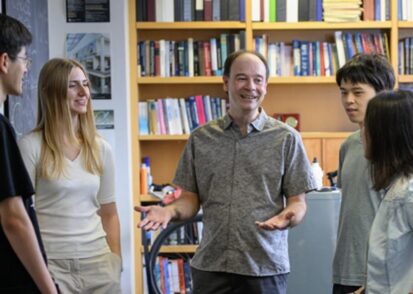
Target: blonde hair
x=54 y=121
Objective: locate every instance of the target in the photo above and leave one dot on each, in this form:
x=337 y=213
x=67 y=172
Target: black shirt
x=14 y=181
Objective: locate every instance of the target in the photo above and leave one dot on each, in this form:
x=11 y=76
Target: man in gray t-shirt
x=359 y=80
x=249 y=174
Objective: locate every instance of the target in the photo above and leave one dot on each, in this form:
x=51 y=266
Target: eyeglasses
x=27 y=60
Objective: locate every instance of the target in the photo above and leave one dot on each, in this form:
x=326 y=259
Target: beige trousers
x=94 y=275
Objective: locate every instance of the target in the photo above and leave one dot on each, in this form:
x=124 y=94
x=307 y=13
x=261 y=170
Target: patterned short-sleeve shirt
x=240 y=180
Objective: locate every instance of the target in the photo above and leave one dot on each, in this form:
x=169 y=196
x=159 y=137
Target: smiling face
x=78 y=92
x=355 y=98
x=246 y=85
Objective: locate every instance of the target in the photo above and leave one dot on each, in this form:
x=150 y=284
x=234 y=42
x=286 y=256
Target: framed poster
x=93 y=51
x=87 y=11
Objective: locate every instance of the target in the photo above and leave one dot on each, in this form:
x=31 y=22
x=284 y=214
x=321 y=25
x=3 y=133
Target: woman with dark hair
x=388 y=138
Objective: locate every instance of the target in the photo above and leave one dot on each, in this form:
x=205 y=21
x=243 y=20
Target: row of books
x=405 y=10
x=184 y=235
x=349 y=44
x=177 y=116
x=405 y=61
x=316 y=58
x=189 y=57
x=190 y=10
x=173 y=275
x=320 y=10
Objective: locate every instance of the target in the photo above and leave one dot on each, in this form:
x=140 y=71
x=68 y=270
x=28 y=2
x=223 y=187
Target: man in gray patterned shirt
x=249 y=173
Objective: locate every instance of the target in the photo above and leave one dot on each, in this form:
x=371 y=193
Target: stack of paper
x=342 y=10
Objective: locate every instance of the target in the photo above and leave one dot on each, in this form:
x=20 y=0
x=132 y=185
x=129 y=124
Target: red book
x=151 y=10
x=207 y=58
x=200 y=109
x=322 y=65
x=181 y=276
x=157 y=59
x=207 y=10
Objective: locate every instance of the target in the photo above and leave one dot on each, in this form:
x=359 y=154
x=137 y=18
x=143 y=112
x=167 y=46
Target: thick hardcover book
x=341 y=54
x=224 y=9
x=224 y=48
x=143 y=118
x=194 y=112
x=216 y=10
x=297 y=57
x=197 y=71
x=292 y=11
x=303 y=10
x=201 y=57
x=273 y=10
x=319 y=10
x=305 y=58
x=207 y=58
x=199 y=10
x=281 y=13
x=207 y=10
x=151 y=10
x=242 y=10
x=184 y=116
x=200 y=109
x=312 y=10
x=233 y=9
x=188 y=14
x=189 y=115
x=141 y=10
x=177 y=10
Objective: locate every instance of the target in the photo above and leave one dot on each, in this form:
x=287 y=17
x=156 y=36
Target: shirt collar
x=258 y=124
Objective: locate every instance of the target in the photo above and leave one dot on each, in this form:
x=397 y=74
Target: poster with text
x=87 y=11
x=92 y=50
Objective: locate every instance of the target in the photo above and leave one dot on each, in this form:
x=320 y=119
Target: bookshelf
x=324 y=125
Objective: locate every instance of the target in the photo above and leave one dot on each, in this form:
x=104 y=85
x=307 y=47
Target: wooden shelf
x=405 y=24
x=303 y=135
x=177 y=249
x=148 y=198
x=406 y=79
x=163 y=137
x=193 y=25
x=317 y=25
x=179 y=80
x=218 y=80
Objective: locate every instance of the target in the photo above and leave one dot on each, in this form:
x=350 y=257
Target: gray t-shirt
x=240 y=180
x=358 y=208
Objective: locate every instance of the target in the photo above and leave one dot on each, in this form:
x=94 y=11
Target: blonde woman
x=72 y=170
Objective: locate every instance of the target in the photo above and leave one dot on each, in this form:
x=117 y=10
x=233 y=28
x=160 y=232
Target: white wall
x=118 y=30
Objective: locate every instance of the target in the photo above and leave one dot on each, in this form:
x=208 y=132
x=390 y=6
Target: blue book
x=297 y=57
x=143 y=118
x=166 y=275
x=319 y=10
x=305 y=62
x=349 y=45
x=242 y=10
x=317 y=59
x=194 y=112
x=187 y=277
x=189 y=115
x=377 y=10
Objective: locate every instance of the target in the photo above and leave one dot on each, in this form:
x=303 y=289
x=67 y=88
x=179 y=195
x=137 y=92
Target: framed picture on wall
x=93 y=51
x=87 y=10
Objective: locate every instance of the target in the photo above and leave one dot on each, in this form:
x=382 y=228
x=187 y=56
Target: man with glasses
x=22 y=267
